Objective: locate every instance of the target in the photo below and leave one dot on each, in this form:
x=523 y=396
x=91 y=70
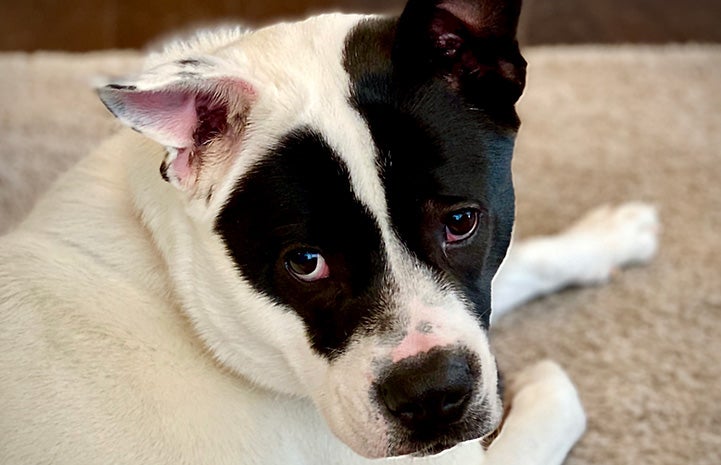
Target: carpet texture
x=601 y=125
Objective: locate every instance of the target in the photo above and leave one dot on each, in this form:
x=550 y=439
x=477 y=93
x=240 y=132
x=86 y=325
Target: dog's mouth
x=432 y=448
x=435 y=449
x=426 y=445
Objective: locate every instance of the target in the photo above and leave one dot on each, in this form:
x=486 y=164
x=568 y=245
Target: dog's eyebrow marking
x=189 y=62
x=425 y=327
x=120 y=87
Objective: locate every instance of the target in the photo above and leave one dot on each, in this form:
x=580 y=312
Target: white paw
x=625 y=235
x=534 y=378
x=545 y=391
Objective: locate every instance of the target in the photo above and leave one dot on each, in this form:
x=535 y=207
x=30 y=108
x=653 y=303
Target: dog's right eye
x=307 y=265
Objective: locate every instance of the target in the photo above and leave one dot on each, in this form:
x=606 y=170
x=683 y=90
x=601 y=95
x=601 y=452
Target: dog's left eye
x=307 y=265
x=461 y=224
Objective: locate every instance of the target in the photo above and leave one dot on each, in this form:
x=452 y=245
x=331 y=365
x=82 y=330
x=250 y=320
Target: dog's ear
x=199 y=116
x=471 y=44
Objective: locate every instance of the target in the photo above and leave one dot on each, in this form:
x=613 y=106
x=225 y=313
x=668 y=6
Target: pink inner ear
x=181 y=165
x=167 y=116
x=184 y=117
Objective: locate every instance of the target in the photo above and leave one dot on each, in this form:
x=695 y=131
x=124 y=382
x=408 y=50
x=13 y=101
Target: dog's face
x=349 y=183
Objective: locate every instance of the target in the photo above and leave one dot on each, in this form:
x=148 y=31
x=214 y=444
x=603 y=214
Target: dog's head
x=348 y=183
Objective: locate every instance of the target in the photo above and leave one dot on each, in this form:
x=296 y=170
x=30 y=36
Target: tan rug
x=600 y=125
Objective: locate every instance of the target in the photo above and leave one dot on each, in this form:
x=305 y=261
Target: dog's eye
x=307 y=265
x=461 y=224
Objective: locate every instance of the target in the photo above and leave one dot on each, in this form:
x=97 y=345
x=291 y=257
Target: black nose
x=428 y=390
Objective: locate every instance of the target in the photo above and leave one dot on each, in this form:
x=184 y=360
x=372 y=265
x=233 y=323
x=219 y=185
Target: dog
x=289 y=255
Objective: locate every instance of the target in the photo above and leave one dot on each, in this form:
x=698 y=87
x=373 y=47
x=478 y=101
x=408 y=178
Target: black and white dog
x=312 y=284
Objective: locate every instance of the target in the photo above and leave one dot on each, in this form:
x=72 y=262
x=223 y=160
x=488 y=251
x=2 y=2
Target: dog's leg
x=586 y=253
x=545 y=421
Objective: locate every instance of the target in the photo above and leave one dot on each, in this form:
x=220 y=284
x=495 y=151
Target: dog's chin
x=422 y=450
x=434 y=449
x=427 y=447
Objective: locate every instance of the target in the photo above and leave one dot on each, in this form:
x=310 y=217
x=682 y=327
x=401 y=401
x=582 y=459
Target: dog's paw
x=545 y=392
x=624 y=235
x=532 y=380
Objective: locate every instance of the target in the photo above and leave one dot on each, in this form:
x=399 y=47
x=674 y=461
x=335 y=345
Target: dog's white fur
x=106 y=286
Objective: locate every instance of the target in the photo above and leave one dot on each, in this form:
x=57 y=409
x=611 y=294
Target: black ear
x=471 y=44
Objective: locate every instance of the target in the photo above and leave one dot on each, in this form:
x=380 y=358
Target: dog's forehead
x=298 y=70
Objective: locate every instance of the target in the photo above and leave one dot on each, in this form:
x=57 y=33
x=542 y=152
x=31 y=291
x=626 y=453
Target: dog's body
x=281 y=299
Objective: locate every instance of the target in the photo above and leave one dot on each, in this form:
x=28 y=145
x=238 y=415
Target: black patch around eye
x=435 y=149
x=299 y=197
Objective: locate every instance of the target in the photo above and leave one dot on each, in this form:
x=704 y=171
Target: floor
x=80 y=25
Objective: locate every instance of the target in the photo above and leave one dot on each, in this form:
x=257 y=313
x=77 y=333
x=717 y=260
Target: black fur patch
x=299 y=197
x=437 y=153
x=164 y=171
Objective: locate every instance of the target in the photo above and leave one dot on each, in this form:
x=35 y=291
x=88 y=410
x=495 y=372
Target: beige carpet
x=600 y=125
